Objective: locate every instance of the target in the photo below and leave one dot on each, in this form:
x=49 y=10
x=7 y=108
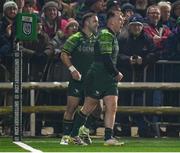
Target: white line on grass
x=28 y=148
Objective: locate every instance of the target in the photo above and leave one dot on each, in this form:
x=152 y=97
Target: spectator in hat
x=59 y=2
x=136 y=51
x=52 y=19
x=58 y=40
x=128 y=10
x=113 y=5
x=7 y=34
x=10 y=10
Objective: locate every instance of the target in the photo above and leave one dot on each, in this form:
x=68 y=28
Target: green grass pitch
x=131 y=145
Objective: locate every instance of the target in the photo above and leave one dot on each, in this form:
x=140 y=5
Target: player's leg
x=72 y=104
x=110 y=114
x=81 y=116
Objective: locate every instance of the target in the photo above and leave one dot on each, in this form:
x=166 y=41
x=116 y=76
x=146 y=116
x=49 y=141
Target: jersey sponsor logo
x=76 y=91
x=96 y=93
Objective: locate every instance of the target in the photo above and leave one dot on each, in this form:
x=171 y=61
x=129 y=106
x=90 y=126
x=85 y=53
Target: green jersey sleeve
x=71 y=44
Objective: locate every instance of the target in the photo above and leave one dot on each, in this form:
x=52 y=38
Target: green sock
x=80 y=119
x=108 y=134
x=67 y=127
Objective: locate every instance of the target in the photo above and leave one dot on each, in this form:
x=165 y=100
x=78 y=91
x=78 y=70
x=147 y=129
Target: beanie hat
x=66 y=23
x=9 y=4
x=136 y=19
x=71 y=21
x=50 y=4
x=127 y=6
x=112 y=3
x=63 y=25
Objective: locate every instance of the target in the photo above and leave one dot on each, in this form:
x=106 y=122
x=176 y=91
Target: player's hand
x=76 y=75
x=156 y=39
x=9 y=30
x=119 y=77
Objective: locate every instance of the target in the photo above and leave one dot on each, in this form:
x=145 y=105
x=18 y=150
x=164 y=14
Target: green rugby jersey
x=106 y=43
x=81 y=48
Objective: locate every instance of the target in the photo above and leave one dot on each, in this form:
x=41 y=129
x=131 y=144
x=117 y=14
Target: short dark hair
x=110 y=15
x=87 y=16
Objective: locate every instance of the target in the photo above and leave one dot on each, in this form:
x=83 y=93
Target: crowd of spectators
x=151 y=32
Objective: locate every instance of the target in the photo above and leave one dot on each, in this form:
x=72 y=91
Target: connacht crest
x=27 y=28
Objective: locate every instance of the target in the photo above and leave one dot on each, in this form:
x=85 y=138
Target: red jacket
x=163 y=32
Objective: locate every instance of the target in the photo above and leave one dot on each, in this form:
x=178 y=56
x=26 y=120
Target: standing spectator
x=165 y=9
x=136 y=51
x=7 y=32
x=38 y=56
x=128 y=10
x=77 y=55
x=20 y=4
x=97 y=6
x=30 y=7
x=175 y=11
x=101 y=80
x=52 y=19
x=159 y=33
x=141 y=6
x=113 y=6
x=1 y=7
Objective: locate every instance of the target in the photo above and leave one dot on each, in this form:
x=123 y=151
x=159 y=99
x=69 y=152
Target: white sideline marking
x=26 y=147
